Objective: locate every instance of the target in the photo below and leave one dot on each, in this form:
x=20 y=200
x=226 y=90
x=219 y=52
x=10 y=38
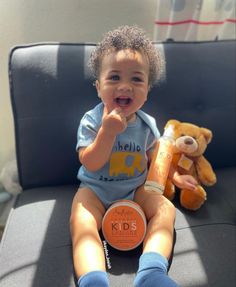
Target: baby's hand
x=114 y=122
x=185 y=181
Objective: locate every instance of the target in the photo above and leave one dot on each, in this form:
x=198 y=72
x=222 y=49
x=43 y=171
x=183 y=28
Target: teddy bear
x=190 y=143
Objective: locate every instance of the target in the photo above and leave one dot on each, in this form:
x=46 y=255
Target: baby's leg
x=88 y=255
x=158 y=242
x=160 y=214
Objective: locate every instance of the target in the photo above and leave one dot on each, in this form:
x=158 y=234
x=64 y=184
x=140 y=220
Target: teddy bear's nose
x=188 y=141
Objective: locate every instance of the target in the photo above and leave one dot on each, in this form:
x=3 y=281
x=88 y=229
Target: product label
x=123 y=228
x=124 y=225
x=160 y=166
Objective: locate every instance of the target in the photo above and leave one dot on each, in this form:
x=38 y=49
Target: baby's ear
x=97 y=85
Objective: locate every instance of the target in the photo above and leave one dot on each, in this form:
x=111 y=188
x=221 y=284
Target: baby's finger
x=192 y=187
x=193 y=181
x=117 y=111
x=192 y=184
x=120 y=112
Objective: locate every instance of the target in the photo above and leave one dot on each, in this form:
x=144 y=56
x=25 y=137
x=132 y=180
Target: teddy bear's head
x=189 y=138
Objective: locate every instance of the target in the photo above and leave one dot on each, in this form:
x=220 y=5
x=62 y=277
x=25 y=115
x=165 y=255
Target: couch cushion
x=205 y=256
x=220 y=205
x=36 y=247
x=200 y=88
x=51 y=88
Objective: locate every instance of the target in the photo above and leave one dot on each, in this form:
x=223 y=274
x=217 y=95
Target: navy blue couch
x=51 y=88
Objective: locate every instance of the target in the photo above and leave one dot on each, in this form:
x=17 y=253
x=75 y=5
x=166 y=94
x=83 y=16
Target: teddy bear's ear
x=207 y=134
x=174 y=123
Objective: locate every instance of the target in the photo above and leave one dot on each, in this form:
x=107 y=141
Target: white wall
x=28 y=21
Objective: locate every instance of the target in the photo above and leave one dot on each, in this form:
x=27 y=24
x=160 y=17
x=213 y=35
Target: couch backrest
x=51 y=88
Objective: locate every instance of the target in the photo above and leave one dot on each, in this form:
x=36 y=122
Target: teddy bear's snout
x=188 y=141
x=186 y=144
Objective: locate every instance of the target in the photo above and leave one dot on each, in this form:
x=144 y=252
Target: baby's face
x=123 y=81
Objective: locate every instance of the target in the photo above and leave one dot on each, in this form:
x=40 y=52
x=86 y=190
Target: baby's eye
x=114 y=78
x=137 y=79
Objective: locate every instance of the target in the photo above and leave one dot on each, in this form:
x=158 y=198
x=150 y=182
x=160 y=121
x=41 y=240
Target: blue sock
x=93 y=278
x=153 y=271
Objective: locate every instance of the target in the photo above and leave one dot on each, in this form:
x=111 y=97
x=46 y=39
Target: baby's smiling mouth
x=123 y=101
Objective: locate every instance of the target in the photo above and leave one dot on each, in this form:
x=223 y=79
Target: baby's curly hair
x=128 y=37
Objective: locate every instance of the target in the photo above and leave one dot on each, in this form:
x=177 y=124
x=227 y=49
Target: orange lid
x=124 y=225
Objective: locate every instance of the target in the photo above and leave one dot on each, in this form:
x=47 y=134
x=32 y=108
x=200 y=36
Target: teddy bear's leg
x=193 y=200
x=169 y=191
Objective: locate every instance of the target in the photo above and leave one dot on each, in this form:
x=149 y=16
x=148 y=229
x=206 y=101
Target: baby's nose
x=125 y=87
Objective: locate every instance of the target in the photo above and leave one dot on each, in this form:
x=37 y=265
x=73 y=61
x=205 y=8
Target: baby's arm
x=94 y=156
x=150 y=153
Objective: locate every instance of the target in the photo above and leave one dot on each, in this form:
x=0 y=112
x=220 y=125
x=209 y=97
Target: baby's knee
x=86 y=211
x=170 y=206
x=170 y=209
x=165 y=207
x=83 y=217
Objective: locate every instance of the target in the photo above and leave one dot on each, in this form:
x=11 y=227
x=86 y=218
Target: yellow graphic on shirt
x=126 y=163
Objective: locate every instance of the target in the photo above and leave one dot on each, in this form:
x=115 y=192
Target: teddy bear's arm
x=205 y=172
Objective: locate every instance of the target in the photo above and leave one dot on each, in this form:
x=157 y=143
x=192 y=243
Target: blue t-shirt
x=127 y=167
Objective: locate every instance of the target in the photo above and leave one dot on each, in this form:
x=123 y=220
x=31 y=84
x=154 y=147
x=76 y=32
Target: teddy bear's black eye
x=194 y=137
x=182 y=135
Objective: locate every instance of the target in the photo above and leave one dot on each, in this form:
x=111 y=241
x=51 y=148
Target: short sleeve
x=151 y=140
x=89 y=126
x=87 y=131
x=154 y=133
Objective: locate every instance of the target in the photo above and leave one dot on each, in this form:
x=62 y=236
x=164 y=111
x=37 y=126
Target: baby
x=115 y=143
